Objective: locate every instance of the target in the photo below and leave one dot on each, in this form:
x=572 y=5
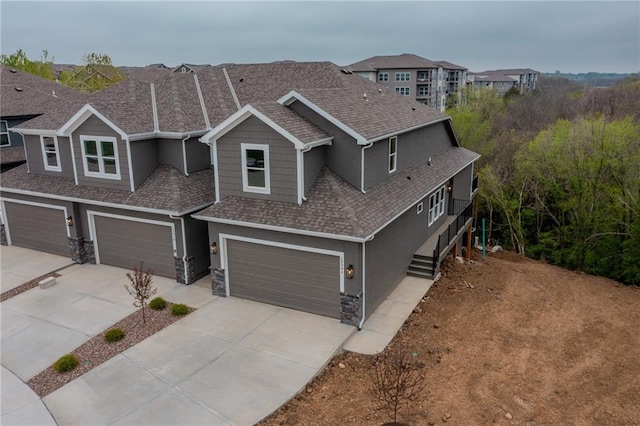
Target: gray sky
x=575 y=36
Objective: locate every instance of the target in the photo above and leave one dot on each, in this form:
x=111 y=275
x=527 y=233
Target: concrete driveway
x=20 y=265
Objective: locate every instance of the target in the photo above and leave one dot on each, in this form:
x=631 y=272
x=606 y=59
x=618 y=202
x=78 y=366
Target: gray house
x=296 y=184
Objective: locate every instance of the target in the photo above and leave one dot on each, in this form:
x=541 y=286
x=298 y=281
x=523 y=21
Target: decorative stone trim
x=351 y=309
x=78 y=250
x=218 y=284
x=182 y=276
x=3 y=236
x=89 y=252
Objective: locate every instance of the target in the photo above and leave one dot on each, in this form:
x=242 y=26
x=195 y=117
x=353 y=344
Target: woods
x=560 y=173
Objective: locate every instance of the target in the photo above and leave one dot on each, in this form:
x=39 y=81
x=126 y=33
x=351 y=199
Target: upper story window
x=255 y=168
x=436 y=205
x=383 y=76
x=423 y=75
x=406 y=91
x=50 y=153
x=100 y=156
x=423 y=90
x=4 y=133
x=403 y=76
x=393 y=153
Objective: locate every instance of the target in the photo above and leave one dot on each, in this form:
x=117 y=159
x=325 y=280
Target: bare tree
x=141 y=286
x=396 y=380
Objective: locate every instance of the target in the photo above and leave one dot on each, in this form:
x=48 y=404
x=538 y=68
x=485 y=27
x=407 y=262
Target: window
x=100 y=157
x=420 y=208
x=255 y=168
x=383 y=76
x=406 y=91
x=393 y=153
x=423 y=75
x=436 y=205
x=403 y=76
x=4 y=134
x=423 y=90
x=50 y=153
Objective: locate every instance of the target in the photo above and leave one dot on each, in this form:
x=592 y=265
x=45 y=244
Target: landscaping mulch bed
x=26 y=286
x=96 y=351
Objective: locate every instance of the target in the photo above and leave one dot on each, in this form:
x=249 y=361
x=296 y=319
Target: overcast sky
x=575 y=36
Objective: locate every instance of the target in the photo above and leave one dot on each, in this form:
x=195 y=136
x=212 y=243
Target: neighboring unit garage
x=126 y=241
x=295 y=277
x=36 y=226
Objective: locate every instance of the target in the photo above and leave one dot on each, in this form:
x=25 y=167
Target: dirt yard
x=502 y=341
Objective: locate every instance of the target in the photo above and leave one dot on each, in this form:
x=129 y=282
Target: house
x=296 y=184
x=523 y=79
x=25 y=96
x=432 y=83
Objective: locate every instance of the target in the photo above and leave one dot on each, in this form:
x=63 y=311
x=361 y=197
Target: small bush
x=179 y=309
x=65 y=363
x=158 y=304
x=114 y=335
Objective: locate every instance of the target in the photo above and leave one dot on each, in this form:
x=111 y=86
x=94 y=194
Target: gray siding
x=314 y=160
x=197 y=245
x=93 y=126
x=198 y=155
x=352 y=251
x=144 y=159
x=462 y=184
x=36 y=161
x=282 y=162
x=413 y=147
x=170 y=153
x=343 y=157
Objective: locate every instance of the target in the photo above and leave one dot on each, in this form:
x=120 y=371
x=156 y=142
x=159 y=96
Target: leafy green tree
x=96 y=74
x=19 y=60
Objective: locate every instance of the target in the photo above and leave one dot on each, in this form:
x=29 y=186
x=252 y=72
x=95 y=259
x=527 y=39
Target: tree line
x=560 y=172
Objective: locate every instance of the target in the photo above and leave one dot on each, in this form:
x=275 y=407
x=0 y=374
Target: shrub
x=65 y=363
x=114 y=335
x=179 y=309
x=157 y=304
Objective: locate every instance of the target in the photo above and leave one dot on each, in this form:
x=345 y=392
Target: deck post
x=469 y=242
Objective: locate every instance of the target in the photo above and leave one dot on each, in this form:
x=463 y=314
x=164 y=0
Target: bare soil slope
x=507 y=341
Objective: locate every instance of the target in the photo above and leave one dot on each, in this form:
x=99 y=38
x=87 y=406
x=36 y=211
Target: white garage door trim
x=29 y=203
x=91 y=214
x=224 y=261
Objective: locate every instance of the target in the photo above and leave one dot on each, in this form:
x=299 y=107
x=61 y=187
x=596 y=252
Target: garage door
x=294 y=279
x=124 y=243
x=38 y=228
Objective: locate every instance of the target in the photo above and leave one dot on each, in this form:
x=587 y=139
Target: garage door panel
x=125 y=243
x=286 y=277
x=37 y=228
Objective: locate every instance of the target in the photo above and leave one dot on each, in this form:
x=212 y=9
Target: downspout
x=184 y=154
x=184 y=248
x=301 y=179
x=362 y=167
x=24 y=146
x=364 y=276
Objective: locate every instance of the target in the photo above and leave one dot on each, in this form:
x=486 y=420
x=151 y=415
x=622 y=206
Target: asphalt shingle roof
x=299 y=127
x=405 y=60
x=335 y=207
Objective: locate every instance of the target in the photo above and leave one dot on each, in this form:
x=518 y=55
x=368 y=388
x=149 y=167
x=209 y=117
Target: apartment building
x=523 y=79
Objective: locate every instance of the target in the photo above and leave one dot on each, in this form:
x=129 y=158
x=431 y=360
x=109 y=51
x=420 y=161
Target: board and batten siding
x=93 y=126
x=314 y=160
x=282 y=161
x=33 y=148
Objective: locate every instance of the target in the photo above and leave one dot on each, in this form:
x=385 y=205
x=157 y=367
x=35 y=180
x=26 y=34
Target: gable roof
x=25 y=94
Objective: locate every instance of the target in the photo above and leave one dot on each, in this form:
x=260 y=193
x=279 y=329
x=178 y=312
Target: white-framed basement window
x=255 y=168
x=393 y=153
x=4 y=133
x=100 y=156
x=50 y=153
x=436 y=205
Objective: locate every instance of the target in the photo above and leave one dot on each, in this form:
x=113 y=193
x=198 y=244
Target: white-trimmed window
x=100 y=156
x=406 y=91
x=423 y=90
x=393 y=153
x=50 y=153
x=255 y=168
x=423 y=75
x=403 y=76
x=436 y=205
x=420 y=208
x=383 y=76
x=4 y=134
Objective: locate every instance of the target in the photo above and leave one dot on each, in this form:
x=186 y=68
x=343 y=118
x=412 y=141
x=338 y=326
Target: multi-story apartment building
x=523 y=79
x=433 y=83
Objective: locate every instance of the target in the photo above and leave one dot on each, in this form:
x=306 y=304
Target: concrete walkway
x=20 y=405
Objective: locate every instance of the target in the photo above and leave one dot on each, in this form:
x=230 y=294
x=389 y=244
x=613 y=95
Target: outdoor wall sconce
x=350 y=272
x=69 y=221
x=449 y=187
x=213 y=248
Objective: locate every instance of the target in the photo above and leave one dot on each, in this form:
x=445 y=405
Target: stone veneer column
x=351 y=309
x=218 y=284
x=3 y=236
x=78 y=250
x=183 y=276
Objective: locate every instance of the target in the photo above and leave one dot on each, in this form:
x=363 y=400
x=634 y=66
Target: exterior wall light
x=213 y=248
x=69 y=221
x=350 y=272
x=449 y=187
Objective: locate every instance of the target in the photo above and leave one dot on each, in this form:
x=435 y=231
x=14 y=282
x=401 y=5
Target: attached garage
x=37 y=226
x=295 y=277
x=125 y=241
